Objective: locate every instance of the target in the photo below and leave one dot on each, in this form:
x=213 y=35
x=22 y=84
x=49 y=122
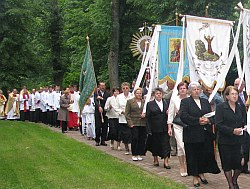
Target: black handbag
x=177 y=121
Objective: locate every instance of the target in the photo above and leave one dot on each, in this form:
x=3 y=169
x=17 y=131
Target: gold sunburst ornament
x=139 y=39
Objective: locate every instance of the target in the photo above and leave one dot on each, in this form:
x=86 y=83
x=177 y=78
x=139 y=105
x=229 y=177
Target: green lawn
x=32 y=156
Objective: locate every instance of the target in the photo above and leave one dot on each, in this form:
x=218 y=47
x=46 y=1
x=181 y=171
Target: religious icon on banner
x=206 y=53
x=174 y=50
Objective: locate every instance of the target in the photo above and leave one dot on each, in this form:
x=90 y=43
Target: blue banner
x=169 y=54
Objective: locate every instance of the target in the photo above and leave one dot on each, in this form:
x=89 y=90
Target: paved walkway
x=217 y=181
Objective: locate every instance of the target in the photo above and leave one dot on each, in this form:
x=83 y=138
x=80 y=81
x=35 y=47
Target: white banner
x=246 y=47
x=208 y=48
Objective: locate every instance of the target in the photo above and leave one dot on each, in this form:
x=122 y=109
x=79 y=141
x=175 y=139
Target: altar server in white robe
x=57 y=96
x=88 y=118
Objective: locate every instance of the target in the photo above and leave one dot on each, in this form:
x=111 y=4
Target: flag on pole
x=87 y=83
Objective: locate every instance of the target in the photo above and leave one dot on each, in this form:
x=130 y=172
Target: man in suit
x=246 y=141
x=101 y=120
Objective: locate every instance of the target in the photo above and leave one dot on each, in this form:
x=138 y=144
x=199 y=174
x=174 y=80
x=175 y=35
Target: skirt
x=113 y=133
x=230 y=156
x=158 y=144
x=199 y=159
x=125 y=134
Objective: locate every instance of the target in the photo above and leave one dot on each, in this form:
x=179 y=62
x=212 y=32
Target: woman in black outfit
x=230 y=121
x=197 y=140
x=158 y=138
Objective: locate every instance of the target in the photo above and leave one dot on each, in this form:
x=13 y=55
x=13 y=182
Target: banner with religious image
x=169 y=54
x=207 y=47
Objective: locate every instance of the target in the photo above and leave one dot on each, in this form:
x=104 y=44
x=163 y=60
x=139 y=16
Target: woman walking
x=137 y=122
x=230 y=121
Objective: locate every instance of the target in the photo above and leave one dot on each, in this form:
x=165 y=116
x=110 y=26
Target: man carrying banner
x=101 y=120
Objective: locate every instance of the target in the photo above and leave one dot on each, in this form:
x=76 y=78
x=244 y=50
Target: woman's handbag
x=177 y=121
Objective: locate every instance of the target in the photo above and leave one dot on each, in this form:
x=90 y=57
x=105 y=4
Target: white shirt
x=57 y=96
x=111 y=113
x=160 y=104
x=173 y=108
x=122 y=101
x=24 y=100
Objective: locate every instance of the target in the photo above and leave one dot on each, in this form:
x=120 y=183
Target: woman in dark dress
x=230 y=121
x=158 y=139
x=197 y=136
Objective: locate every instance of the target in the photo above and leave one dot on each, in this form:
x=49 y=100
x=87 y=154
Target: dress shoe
x=139 y=158
x=119 y=148
x=156 y=164
x=167 y=167
x=236 y=186
x=197 y=185
x=245 y=171
x=134 y=158
x=103 y=144
x=184 y=174
x=204 y=181
x=97 y=144
x=127 y=153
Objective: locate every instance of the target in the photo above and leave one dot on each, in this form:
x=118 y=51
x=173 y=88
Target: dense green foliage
x=43 y=42
x=32 y=156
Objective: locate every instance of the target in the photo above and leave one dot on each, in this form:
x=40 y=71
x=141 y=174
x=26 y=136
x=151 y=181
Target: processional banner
x=246 y=63
x=246 y=47
x=169 y=54
x=207 y=47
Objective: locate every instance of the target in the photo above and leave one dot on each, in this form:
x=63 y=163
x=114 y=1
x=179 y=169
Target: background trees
x=43 y=42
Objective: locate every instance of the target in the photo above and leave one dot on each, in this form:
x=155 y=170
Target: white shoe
x=127 y=153
x=119 y=148
x=139 y=158
x=134 y=158
x=112 y=146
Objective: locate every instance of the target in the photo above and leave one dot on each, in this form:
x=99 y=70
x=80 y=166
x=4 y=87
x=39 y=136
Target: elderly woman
x=173 y=110
x=156 y=114
x=137 y=122
x=196 y=136
x=124 y=130
x=63 y=113
x=230 y=121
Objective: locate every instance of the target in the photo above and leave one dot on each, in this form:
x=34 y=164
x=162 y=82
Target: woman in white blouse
x=110 y=106
x=177 y=129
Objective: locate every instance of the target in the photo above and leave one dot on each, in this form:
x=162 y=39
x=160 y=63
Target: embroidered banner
x=169 y=54
x=207 y=47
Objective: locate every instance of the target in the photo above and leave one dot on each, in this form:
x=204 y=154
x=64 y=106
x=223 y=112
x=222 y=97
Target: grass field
x=32 y=156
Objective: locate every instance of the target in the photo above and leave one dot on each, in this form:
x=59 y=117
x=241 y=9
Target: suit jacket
x=133 y=113
x=226 y=121
x=157 y=119
x=100 y=103
x=190 y=114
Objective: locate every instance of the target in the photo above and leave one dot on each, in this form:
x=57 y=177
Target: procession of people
x=120 y=118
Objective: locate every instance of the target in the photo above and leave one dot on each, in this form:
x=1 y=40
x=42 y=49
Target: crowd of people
x=120 y=118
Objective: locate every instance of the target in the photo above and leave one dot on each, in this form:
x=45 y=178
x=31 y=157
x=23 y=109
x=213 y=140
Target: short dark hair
x=158 y=89
x=115 y=89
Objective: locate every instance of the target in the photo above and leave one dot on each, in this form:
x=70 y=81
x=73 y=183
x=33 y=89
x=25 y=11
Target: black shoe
x=204 y=181
x=97 y=144
x=245 y=171
x=103 y=144
x=236 y=186
x=167 y=167
x=156 y=164
x=197 y=185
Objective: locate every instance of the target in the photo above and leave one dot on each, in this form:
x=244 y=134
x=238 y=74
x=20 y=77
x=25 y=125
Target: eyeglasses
x=125 y=88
